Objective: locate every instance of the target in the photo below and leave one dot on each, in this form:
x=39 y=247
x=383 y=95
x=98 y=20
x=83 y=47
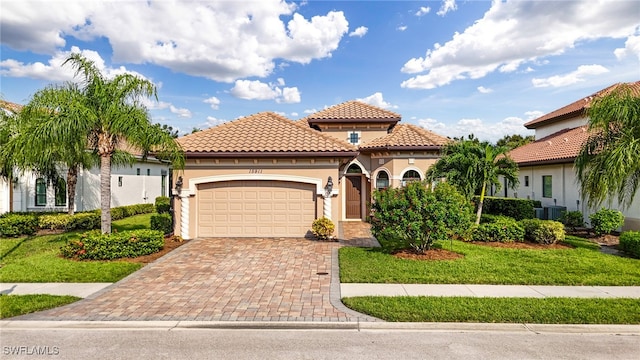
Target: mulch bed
x=432 y=254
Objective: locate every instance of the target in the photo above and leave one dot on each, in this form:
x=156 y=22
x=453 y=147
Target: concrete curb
x=633 y=330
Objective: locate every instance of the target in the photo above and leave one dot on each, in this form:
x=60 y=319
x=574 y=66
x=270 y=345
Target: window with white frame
x=61 y=192
x=41 y=192
x=382 y=180
x=354 y=137
x=409 y=176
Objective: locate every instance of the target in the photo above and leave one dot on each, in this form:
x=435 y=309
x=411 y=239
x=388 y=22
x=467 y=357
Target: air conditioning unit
x=553 y=212
x=539 y=213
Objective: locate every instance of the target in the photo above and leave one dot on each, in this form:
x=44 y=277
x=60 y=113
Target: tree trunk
x=72 y=181
x=105 y=193
x=479 y=213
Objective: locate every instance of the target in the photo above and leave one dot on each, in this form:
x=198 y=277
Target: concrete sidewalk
x=533 y=291
x=83 y=290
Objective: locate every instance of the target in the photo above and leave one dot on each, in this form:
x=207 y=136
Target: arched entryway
x=353 y=192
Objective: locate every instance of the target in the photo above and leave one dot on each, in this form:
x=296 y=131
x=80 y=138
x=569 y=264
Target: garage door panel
x=255 y=209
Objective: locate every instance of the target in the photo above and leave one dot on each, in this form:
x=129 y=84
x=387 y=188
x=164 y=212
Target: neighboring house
x=138 y=184
x=547 y=170
x=266 y=175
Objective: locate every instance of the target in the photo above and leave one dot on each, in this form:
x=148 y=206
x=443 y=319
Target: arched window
x=354 y=169
x=61 y=192
x=41 y=192
x=410 y=175
x=382 y=180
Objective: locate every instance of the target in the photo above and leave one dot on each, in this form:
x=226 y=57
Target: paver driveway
x=221 y=279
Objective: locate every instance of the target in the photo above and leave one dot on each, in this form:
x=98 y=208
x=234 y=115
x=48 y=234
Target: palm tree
x=471 y=166
x=608 y=164
x=101 y=115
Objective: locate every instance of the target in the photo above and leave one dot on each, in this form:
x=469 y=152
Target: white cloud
x=447 y=5
x=514 y=33
x=483 y=131
x=631 y=48
x=181 y=112
x=54 y=71
x=218 y=40
x=359 y=32
x=257 y=90
x=484 y=90
x=214 y=102
x=310 y=111
x=377 y=100
x=570 y=78
x=212 y=121
x=294 y=114
x=533 y=114
x=152 y=104
x=402 y=28
x=424 y=10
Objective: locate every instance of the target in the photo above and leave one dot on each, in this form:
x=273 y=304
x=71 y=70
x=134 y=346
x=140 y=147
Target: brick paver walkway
x=221 y=279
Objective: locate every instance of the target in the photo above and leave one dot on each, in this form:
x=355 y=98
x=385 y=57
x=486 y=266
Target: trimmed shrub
x=544 y=232
x=572 y=219
x=13 y=225
x=605 y=221
x=515 y=208
x=630 y=243
x=163 y=204
x=489 y=218
x=84 y=221
x=96 y=246
x=322 y=228
x=54 y=221
x=415 y=216
x=502 y=230
x=121 y=212
x=162 y=222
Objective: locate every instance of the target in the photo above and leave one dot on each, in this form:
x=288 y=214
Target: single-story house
x=141 y=183
x=547 y=171
x=268 y=176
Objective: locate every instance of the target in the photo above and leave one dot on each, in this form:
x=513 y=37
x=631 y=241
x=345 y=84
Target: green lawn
x=14 y=305
x=499 y=310
x=583 y=265
x=37 y=258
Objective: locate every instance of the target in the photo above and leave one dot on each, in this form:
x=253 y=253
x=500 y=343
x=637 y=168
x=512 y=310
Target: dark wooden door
x=354 y=190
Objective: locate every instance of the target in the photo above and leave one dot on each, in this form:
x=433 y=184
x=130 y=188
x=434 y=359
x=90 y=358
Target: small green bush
x=322 y=228
x=630 y=243
x=162 y=222
x=543 y=231
x=501 y=230
x=96 y=246
x=54 y=221
x=572 y=219
x=515 y=208
x=163 y=204
x=84 y=221
x=121 y=212
x=489 y=218
x=13 y=225
x=605 y=221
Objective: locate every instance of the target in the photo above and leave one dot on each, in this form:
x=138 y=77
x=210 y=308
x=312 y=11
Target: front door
x=354 y=196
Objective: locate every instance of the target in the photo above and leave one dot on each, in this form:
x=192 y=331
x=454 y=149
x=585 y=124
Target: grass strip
x=37 y=259
x=14 y=305
x=498 y=310
x=582 y=265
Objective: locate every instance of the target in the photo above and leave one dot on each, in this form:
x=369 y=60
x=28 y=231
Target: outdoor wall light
x=329 y=187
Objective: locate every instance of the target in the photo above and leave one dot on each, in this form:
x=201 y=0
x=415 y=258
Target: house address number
x=255 y=171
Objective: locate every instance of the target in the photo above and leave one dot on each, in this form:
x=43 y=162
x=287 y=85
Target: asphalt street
x=192 y=342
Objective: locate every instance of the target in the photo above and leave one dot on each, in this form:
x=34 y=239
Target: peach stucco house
x=547 y=171
x=265 y=175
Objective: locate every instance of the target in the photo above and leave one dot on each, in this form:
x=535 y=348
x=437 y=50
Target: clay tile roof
x=353 y=111
x=12 y=107
x=407 y=136
x=577 y=108
x=560 y=147
x=263 y=133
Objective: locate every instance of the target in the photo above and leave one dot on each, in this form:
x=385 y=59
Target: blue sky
x=454 y=67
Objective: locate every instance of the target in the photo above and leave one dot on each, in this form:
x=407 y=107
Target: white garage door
x=255 y=209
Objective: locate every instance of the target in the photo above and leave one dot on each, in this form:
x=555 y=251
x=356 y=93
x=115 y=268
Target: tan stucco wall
x=258 y=169
x=368 y=132
x=397 y=163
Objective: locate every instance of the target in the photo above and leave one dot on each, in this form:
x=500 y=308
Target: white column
x=184 y=216
x=326 y=206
